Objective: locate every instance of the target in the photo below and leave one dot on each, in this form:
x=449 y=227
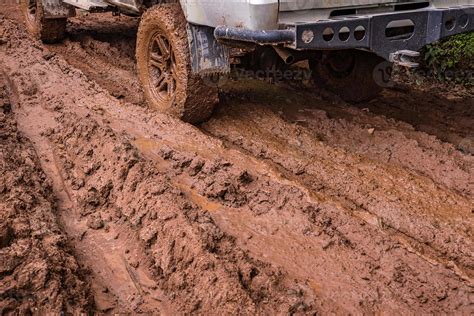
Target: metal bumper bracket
x=363 y=32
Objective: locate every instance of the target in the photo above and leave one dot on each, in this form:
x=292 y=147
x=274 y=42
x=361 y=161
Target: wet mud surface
x=286 y=201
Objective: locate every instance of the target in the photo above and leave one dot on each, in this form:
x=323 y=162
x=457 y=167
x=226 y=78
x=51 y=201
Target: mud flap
x=54 y=9
x=207 y=55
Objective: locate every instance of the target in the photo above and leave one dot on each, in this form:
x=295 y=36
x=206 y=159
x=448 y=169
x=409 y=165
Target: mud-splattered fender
x=208 y=56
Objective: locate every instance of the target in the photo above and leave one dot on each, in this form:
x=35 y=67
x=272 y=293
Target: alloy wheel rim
x=162 y=68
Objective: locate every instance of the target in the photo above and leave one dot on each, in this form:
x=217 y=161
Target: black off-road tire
x=47 y=30
x=192 y=100
x=353 y=82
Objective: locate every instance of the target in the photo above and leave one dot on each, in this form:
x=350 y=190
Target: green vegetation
x=452 y=59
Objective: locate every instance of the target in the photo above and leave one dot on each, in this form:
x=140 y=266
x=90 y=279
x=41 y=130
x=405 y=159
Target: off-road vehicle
x=181 y=43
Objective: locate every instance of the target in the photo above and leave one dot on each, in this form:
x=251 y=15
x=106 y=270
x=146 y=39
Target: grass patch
x=452 y=59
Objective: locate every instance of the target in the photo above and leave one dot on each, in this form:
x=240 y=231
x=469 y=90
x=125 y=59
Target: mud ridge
x=38 y=271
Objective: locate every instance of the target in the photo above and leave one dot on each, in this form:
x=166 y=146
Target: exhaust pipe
x=285 y=54
x=291 y=56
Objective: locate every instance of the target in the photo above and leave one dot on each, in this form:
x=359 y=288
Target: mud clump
x=95 y=222
x=38 y=273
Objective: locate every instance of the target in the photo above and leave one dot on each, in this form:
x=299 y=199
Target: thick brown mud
x=38 y=270
x=286 y=201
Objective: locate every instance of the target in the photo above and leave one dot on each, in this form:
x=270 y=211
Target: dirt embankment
x=286 y=201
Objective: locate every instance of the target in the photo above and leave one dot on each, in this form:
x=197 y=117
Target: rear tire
x=47 y=30
x=349 y=74
x=164 y=66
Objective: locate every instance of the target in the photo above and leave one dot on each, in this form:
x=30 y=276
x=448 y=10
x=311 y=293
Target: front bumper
x=429 y=25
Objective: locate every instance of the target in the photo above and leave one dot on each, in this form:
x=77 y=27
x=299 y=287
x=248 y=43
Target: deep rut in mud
x=286 y=201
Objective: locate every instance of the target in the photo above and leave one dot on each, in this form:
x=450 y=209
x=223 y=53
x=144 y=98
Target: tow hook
x=405 y=58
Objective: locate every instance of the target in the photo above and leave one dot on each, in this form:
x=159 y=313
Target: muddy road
x=288 y=201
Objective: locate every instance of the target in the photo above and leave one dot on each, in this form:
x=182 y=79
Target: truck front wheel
x=47 y=30
x=164 y=66
x=351 y=74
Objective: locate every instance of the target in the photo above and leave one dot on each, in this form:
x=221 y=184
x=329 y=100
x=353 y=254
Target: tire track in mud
x=361 y=132
x=404 y=201
x=105 y=51
x=38 y=270
x=444 y=114
x=244 y=211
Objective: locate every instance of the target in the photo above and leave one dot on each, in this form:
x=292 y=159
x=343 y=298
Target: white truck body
x=270 y=14
x=384 y=27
